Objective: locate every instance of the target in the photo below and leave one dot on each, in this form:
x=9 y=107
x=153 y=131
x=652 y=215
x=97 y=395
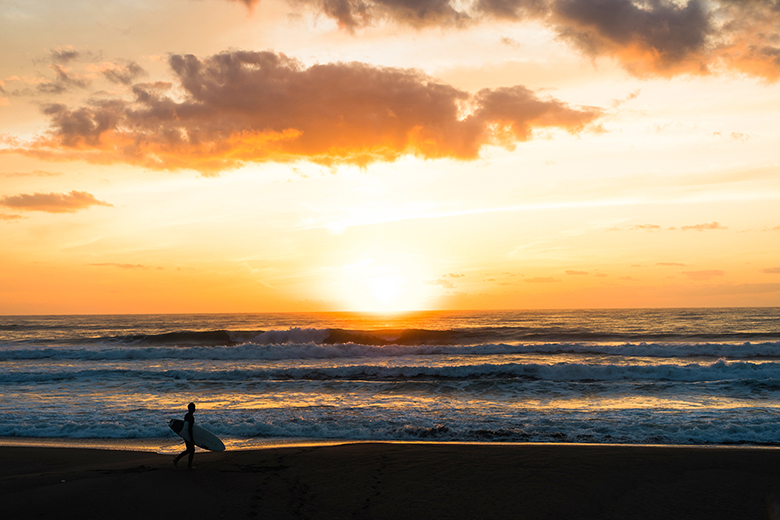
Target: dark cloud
x=65 y=80
x=52 y=202
x=513 y=9
x=647 y=37
x=653 y=36
x=64 y=56
x=84 y=126
x=241 y=107
x=124 y=74
x=352 y=14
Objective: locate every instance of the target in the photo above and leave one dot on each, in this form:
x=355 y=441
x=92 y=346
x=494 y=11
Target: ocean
x=639 y=376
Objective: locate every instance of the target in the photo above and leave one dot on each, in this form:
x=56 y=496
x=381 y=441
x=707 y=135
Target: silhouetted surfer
x=189 y=418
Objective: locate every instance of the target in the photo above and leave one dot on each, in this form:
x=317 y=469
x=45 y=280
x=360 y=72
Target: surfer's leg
x=191 y=451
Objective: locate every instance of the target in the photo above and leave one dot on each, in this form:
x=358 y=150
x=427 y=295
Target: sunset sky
x=305 y=155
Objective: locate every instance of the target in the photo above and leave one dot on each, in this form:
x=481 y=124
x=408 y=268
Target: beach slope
x=396 y=481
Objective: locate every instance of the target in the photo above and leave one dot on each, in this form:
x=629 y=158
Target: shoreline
x=394 y=480
x=170 y=445
x=174 y=445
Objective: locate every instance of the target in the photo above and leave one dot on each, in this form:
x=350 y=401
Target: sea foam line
x=768 y=372
x=312 y=350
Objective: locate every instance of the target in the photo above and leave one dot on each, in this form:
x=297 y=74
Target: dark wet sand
x=396 y=481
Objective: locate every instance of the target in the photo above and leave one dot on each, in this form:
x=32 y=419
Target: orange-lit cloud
x=772 y=270
x=52 y=202
x=240 y=107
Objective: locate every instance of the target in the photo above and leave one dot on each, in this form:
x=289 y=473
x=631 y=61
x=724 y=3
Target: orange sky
x=275 y=155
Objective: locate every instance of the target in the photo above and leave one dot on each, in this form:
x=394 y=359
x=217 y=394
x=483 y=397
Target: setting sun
x=446 y=237
x=272 y=156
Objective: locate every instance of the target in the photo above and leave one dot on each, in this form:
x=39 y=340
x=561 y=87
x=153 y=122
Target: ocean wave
x=271 y=350
x=468 y=336
x=693 y=372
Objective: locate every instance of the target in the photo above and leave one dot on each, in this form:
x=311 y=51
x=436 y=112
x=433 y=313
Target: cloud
x=703 y=275
x=36 y=173
x=541 y=279
x=52 y=202
x=671 y=264
x=443 y=283
x=65 y=80
x=577 y=273
x=121 y=266
x=772 y=270
x=10 y=217
x=646 y=37
x=656 y=37
x=703 y=227
x=241 y=107
x=64 y=55
x=745 y=288
x=639 y=227
x=250 y=4
x=123 y=74
x=352 y=14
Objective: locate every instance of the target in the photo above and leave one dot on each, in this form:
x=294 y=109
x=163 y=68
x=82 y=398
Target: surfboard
x=203 y=438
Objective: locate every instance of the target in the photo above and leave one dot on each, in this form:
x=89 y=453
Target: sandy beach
x=391 y=481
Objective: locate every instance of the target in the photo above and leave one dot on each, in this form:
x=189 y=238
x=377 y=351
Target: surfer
x=189 y=418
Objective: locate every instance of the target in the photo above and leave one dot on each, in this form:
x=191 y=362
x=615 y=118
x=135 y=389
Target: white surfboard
x=203 y=438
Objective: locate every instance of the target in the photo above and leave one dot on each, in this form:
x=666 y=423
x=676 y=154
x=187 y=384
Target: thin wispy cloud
x=703 y=227
x=706 y=274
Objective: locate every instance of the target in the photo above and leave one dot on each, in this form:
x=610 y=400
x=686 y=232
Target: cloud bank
x=647 y=37
x=239 y=107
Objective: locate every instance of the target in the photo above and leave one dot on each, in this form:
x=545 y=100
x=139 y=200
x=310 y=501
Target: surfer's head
x=191 y=407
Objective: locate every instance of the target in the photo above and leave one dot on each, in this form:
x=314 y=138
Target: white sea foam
x=281 y=351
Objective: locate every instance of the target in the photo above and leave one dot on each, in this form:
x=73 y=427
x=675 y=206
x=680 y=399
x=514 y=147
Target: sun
x=386 y=289
x=371 y=285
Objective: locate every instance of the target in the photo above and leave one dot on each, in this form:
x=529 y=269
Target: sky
x=176 y=156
